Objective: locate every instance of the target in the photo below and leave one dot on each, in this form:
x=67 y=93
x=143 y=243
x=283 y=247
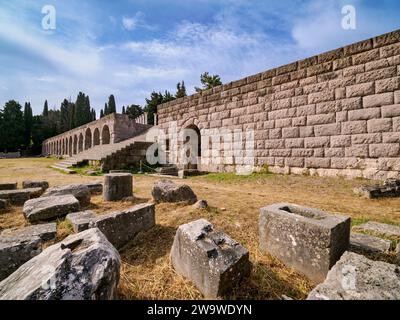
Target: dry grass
x=146 y=270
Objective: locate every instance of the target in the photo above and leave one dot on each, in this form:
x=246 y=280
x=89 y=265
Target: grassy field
x=234 y=208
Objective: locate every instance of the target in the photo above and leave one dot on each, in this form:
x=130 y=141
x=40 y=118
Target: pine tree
x=181 y=90
x=134 y=111
x=111 y=105
x=28 y=120
x=45 y=109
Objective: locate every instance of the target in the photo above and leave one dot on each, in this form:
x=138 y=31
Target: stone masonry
x=337 y=113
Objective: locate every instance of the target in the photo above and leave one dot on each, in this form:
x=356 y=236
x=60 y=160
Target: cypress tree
x=46 y=109
x=28 y=120
x=111 y=105
x=101 y=113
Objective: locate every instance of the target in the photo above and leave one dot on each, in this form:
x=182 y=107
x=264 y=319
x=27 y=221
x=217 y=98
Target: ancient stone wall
x=110 y=129
x=337 y=113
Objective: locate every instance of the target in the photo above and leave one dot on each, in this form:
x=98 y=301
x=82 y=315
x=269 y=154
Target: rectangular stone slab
x=355 y=277
x=15 y=251
x=80 y=220
x=16 y=197
x=306 y=239
x=46 y=232
x=95 y=188
x=379 y=228
x=122 y=227
x=213 y=261
x=8 y=186
x=35 y=184
x=51 y=207
x=362 y=243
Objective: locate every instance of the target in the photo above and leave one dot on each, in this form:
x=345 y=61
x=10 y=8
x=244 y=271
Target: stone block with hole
x=213 y=261
x=309 y=240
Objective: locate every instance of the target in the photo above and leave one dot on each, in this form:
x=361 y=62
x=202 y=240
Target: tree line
x=21 y=130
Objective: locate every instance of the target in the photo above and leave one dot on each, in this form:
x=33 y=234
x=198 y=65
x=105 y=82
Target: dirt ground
x=234 y=201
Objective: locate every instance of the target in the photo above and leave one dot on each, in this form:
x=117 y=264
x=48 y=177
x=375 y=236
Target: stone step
x=66 y=170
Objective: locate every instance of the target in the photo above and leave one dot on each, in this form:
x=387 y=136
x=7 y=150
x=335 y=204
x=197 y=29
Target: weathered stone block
x=3 y=204
x=167 y=191
x=35 y=184
x=340 y=141
x=95 y=188
x=309 y=240
x=391 y=111
x=366 y=138
x=366 y=244
x=15 y=251
x=50 y=207
x=117 y=186
x=359 y=90
x=213 y=261
x=15 y=197
x=327 y=130
x=378 y=100
x=379 y=125
x=379 y=228
x=317 y=142
x=384 y=150
x=84 y=266
x=8 y=185
x=122 y=227
x=80 y=220
x=79 y=191
x=355 y=277
x=317 y=162
x=364 y=114
x=46 y=232
x=321 y=119
x=358 y=151
x=387 y=85
x=354 y=127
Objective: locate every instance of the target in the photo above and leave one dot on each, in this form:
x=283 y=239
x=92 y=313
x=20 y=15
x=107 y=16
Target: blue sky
x=132 y=47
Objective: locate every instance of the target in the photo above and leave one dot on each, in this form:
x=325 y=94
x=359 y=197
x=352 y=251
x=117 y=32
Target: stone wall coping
x=328 y=56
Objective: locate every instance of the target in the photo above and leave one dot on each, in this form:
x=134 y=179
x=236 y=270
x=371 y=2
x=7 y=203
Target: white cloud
x=129 y=23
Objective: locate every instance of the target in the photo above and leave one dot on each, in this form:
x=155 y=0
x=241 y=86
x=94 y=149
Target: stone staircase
x=100 y=153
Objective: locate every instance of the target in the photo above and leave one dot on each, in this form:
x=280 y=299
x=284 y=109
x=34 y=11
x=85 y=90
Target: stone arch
x=80 y=142
x=88 y=138
x=196 y=129
x=70 y=146
x=75 y=144
x=96 y=137
x=105 y=135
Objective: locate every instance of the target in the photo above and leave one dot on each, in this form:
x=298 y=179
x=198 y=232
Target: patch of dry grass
x=146 y=271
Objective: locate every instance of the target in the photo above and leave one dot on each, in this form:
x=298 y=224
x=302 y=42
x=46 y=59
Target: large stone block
x=16 y=197
x=379 y=228
x=167 y=191
x=355 y=277
x=80 y=220
x=366 y=244
x=51 y=207
x=122 y=227
x=8 y=185
x=79 y=191
x=15 y=251
x=309 y=240
x=35 y=184
x=84 y=266
x=117 y=186
x=95 y=188
x=213 y=261
x=46 y=232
